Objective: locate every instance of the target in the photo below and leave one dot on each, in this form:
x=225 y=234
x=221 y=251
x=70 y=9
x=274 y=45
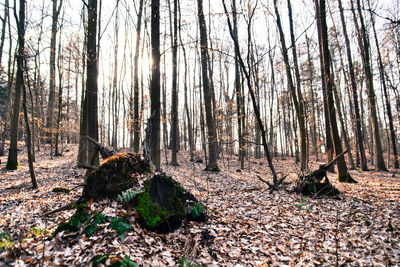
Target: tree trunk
x=365 y=54
x=297 y=97
x=12 y=161
x=239 y=97
x=91 y=80
x=343 y=174
x=255 y=107
x=212 y=136
x=52 y=82
x=3 y=29
x=155 y=82
x=387 y=101
x=174 y=93
x=328 y=136
x=185 y=86
x=136 y=120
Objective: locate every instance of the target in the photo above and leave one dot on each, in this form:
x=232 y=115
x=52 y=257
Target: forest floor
x=247 y=225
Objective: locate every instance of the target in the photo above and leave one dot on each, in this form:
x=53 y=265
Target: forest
x=199 y=133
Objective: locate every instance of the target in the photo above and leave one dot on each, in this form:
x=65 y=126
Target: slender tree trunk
x=212 y=135
x=385 y=91
x=20 y=63
x=12 y=161
x=239 y=97
x=52 y=83
x=328 y=136
x=60 y=96
x=185 y=86
x=3 y=29
x=343 y=174
x=155 y=83
x=136 y=120
x=297 y=97
x=255 y=107
x=359 y=136
x=365 y=54
x=313 y=125
x=174 y=99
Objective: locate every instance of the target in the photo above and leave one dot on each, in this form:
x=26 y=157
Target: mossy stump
x=307 y=185
x=165 y=204
x=115 y=175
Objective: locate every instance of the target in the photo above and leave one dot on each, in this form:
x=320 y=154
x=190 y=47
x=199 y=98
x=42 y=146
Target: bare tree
x=52 y=83
x=155 y=83
x=343 y=173
x=212 y=134
x=359 y=136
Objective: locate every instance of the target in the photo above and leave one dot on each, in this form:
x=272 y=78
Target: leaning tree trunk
x=253 y=98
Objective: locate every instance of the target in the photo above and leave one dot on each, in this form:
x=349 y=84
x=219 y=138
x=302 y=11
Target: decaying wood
x=312 y=184
x=104 y=152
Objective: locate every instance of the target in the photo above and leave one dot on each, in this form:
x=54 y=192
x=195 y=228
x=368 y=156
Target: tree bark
x=155 y=82
x=211 y=130
x=365 y=54
x=328 y=136
x=174 y=93
x=297 y=97
x=343 y=174
x=385 y=91
x=136 y=119
x=254 y=101
x=52 y=82
x=359 y=136
x=12 y=161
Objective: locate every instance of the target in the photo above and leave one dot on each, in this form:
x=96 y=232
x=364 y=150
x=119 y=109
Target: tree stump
x=165 y=204
x=115 y=175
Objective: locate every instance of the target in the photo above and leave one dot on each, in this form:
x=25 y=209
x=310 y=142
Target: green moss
x=346 y=179
x=152 y=213
x=12 y=166
x=5 y=241
x=213 y=168
x=65 y=190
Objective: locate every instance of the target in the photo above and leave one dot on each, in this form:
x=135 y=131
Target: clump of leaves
x=184 y=262
x=93 y=224
x=121 y=226
x=303 y=203
x=197 y=210
x=101 y=259
x=128 y=195
x=65 y=190
x=74 y=223
x=127 y=262
x=5 y=241
x=37 y=231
